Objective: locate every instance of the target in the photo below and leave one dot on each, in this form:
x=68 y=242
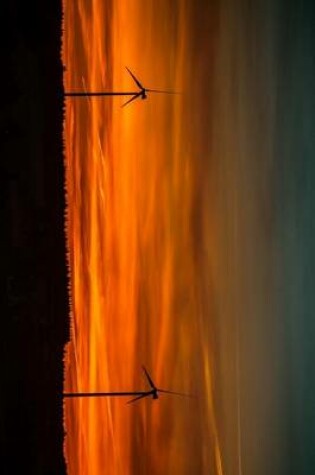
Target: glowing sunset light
x=133 y=218
x=191 y=236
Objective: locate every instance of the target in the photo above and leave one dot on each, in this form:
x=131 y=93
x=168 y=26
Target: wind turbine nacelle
x=143 y=95
x=155 y=396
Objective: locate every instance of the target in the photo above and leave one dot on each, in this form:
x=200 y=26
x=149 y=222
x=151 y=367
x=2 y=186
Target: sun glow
x=131 y=190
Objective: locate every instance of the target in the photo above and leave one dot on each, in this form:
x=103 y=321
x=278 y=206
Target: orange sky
x=189 y=234
x=141 y=245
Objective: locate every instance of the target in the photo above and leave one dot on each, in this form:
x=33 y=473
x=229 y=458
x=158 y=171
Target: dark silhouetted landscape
x=34 y=306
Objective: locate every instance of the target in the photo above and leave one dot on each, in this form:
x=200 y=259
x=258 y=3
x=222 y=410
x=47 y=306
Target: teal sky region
x=266 y=124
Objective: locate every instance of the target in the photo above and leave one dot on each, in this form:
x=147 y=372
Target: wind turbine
x=154 y=392
x=142 y=92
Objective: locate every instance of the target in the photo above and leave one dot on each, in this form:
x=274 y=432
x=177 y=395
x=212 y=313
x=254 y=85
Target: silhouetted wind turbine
x=154 y=392
x=141 y=93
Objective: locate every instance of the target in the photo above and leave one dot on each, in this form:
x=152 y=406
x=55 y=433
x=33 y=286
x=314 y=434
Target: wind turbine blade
x=174 y=392
x=85 y=90
x=130 y=100
x=135 y=79
x=161 y=91
x=137 y=398
x=149 y=378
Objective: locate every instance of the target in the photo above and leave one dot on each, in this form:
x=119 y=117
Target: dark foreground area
x=34 y=297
